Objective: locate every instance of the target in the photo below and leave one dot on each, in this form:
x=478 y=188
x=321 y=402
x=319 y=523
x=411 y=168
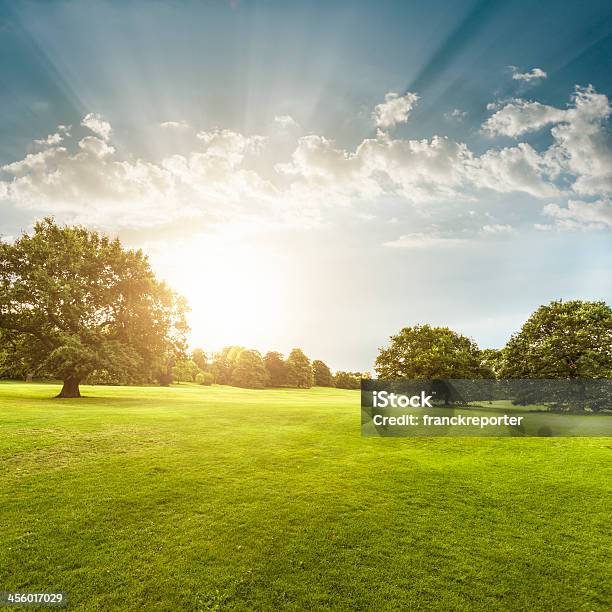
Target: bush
x=204 y=378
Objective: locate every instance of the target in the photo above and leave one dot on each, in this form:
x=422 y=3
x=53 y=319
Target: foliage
x=490 y=362
x=185 y=370
x=423 y=351
x=249 y=371
x=224 y=362
x=562 y=340
x=74 y=302
x=299 y=370
x=322 y=374
x=347 y=380
x=277 y=369
x=204 y=378
x=199 y=357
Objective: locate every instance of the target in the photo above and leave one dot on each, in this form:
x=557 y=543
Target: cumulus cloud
x=583 y=144
x=520 y=117
x=417 y=170
x=420 y=240
x=96 y=146
x=229 y=175
x=395 y=109
x=50 y=140
x=93 y=185
x=579 y=215
x=178 y=125
x=286 y=122
x=582 y=147
x=229 y=146
x=520 y=168
x=97 y=124
x=532 y=75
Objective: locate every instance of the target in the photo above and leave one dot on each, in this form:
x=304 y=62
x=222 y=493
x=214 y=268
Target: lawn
x=197 y=498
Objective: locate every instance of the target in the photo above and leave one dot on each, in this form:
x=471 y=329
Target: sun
x=236 y=293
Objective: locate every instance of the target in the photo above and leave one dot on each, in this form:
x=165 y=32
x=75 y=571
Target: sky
x=322 y=174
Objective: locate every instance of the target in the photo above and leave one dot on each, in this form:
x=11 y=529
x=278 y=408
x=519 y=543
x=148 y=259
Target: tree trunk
x=70 y=388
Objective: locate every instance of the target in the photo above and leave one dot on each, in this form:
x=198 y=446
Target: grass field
x=195 y=498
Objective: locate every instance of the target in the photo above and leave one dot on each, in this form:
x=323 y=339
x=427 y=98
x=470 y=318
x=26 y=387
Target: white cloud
x=497 y=228
x=286 y=122
x=417 y=170
x=395 y=109
x=425 y=241
x=229 y=176
x=520 y=117
x=519 y=168
x=97 y=124
x=178 y=125
x=230 y=146
x=583 y=144
x=457 y=114
x=578 y=215
x=582 y=147
x=50 y=140
x=533 y=75
x=32 y=163
x=94 y=186
x=96 y=146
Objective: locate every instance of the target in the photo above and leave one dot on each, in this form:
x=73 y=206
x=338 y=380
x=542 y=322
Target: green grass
x=195 y=498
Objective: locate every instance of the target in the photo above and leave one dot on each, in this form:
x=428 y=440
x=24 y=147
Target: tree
x=224 y=362
x=322 y=374
x=204 y=378
x=299 y=370
x=74 y=302
x=185 y=370
x=429 y=352
x=562 y=340
x=249 y=371
x=199 y=357
x=277 y=369
x=347 y=380
x=490 y=362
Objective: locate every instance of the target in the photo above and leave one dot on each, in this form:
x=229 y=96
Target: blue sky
x=321 y=174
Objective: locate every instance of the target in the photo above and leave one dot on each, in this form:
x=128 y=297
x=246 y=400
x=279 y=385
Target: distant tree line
x=569 y=341
x=242 y=367
x=560 y=340
x=75 y=305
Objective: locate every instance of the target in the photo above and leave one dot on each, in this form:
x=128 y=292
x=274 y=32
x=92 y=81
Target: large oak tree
x=562 y=340
x=74 y=302
x=426 y=352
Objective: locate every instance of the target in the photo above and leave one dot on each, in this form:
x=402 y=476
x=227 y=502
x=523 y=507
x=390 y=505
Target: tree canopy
x=277 y=369
x=249 y=370
x=347 y=380
x=322 y=374
x=200 y=358
x=299 y=370
x=73 y=302
x=562 y=340
x=423 y=351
